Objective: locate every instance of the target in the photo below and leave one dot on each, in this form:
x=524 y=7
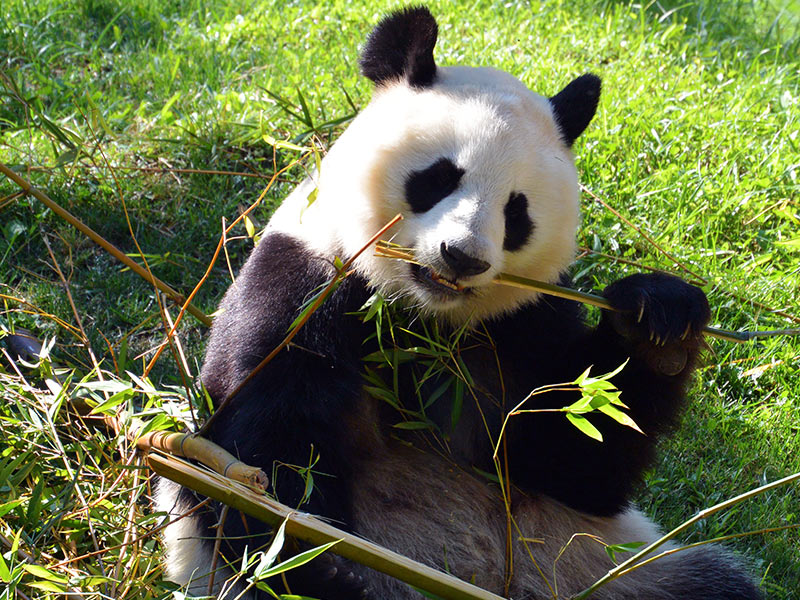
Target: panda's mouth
x=436 y=282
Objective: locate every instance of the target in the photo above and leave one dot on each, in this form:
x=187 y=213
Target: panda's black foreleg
x=658 y=330
x=291 y=419
x=659 y=321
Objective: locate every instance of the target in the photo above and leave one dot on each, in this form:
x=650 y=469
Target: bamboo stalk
x=206 y=452
x=176 y=297
x=305 y=527
x=384 y=249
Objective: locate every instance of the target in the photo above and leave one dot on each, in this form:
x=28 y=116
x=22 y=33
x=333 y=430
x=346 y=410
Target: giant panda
x=481 y=169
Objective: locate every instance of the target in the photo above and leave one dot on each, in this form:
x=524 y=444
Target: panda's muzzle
x=458 y=262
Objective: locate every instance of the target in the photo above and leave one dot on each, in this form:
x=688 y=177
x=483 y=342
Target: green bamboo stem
x=630 y=564
x=387 y=250
x=595 y=300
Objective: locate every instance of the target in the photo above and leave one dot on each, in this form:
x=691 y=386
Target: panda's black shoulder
x=278 y=278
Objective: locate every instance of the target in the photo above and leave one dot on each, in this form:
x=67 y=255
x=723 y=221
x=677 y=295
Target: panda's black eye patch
x=518 y=223
x=425 y=188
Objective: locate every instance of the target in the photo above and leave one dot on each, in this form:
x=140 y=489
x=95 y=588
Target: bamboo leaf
x=585 y=427
x=43 y=573
x=48 y=586
x=620 y=417
x=249 y=227
x=272 y=552
x=296 y=561
x=113 y=401
x=612 y=549
x=7 y=507
x=5 y=573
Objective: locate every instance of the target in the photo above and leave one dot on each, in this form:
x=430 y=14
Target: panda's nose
x=462 y=264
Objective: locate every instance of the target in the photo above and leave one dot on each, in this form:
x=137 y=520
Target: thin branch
x=716 y=540
x=387 y=251
x=186 y=305
x=223 y=515
x=140 y=537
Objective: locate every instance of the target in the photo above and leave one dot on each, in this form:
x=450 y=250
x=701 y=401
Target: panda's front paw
x=331 y=577
x=661 y=315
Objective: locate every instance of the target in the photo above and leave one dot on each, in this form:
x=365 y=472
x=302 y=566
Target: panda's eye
x=518 y=223
x=425 y=188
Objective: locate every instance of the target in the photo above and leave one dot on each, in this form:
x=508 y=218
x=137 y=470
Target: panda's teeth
x=446 y=282
x=428 y=276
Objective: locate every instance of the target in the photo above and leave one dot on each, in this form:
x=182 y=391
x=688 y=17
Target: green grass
x=696 y=142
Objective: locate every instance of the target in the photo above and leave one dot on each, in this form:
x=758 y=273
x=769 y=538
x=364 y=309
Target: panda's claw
x=657 y=309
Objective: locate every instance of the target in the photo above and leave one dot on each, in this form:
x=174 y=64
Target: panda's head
x=479 y=166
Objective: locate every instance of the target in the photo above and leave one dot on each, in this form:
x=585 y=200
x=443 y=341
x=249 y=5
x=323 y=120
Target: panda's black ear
x=575 y=105
x=401 y=47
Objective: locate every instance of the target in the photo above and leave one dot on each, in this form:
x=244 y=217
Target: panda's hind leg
x=561 y=552
x=705 y=573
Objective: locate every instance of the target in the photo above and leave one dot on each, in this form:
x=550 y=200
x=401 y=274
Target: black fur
x=401 y=47
x=291 y=413
x=307 y=386
x=575 y=105
x=425 y=188
x=519 y=226
x=543 y=447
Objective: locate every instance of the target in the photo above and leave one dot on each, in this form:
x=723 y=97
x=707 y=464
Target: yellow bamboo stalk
x=206 y=452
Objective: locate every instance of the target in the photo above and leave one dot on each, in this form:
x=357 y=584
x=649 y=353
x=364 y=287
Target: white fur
x=187 y=559
x=506 y=140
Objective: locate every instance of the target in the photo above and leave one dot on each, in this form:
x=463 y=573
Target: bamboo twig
x=314 y=531
x=384 y=249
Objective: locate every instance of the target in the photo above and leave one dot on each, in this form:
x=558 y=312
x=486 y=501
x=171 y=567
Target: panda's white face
x=478 y=168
